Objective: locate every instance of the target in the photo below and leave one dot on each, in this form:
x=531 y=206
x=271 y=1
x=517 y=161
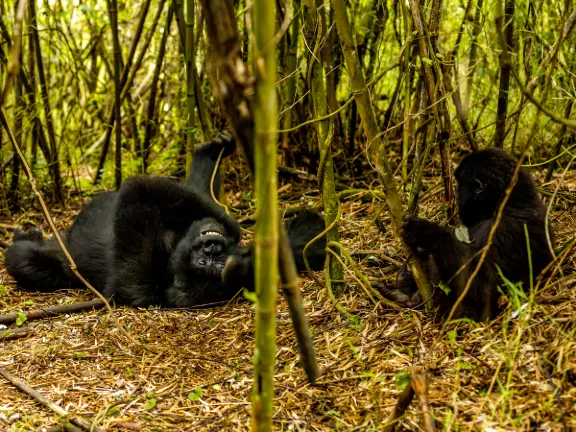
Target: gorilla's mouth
x=211 y=233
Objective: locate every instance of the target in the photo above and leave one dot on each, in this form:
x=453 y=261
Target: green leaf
x=444 y=288
x=3 y=290
x=426 y=60
x=21 y=319
x=112 y=411
x=462 y=234
x=150 y=403
x=250 y=295
x=452 y=336
x=402 y=379
x=129 y=372
x=195 y=394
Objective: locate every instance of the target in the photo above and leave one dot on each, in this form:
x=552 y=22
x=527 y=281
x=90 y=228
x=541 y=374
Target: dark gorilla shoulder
x=483 y=178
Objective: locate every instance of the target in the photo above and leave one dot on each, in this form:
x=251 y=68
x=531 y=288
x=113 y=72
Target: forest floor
x=192 y=369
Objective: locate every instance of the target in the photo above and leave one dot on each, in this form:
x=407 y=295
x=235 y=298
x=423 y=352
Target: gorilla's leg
x=35 y=264
x=301 y=230
x=239 y=269
x=204 y=161
x=149 y=210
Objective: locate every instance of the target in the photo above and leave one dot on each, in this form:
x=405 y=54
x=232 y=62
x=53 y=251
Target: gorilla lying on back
x=155 y=242
x=483 y=178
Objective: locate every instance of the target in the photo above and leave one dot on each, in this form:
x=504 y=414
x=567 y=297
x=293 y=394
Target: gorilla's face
x=205 y=248
x=482 y=178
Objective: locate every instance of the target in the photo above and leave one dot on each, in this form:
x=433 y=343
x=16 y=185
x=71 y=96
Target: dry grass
x=512 y=374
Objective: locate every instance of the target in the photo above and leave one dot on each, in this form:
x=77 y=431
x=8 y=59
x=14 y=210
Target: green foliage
x=21 y=318
x=402 y=379
x=195 y=394
x=150 y=402
x=250 y=295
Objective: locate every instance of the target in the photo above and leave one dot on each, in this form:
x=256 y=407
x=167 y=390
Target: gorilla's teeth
x=213 y=233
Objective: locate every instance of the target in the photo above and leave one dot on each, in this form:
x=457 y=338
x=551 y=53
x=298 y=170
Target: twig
x=16 y=333
x=53 y=311
x=402 y=405
x=77 y=420
x=420 y=385
x=64 y=427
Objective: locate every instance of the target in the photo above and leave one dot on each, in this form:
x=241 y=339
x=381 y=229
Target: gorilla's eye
x=477 y=186
x=202 y=262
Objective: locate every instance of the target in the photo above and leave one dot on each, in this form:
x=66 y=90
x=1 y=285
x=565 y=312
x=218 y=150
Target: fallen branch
x=52 y=311
x=420 y=384
x=79 y=421
x=16 y=333
x=402 y=405
x=64 y=427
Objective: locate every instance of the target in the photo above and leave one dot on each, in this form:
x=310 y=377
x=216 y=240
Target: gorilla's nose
x=213 y=246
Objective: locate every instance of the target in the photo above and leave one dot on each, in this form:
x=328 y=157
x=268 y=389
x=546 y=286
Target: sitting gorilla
x=155 y=242
x=483 y=178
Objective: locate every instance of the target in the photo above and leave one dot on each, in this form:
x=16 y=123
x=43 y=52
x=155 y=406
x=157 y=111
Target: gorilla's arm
x=429 y=239
x=239 y=269
x=205 y=160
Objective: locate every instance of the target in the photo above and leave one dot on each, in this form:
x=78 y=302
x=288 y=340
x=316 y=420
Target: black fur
x=301 y=230
x=483 y=178
x=154 y=242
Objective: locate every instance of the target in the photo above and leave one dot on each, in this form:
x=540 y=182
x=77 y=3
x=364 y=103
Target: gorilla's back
x=90 y=238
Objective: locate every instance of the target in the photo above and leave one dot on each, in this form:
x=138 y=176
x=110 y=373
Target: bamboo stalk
x=315 y=19
x=362 y=97
x=402 y=404
x=54 y=162
x=128 y=73
x=190 y=90
x=232 y=85
x=113 y=12
x=16 y=333
x=151 y=115
x=266 y=193
x=14 y=59
x=502 y=109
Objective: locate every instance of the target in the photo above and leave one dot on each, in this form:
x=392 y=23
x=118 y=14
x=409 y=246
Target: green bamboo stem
x=266 y=233
x=54 y=162
x=190 y=93
x=292 y=62
x=315 y=19
x=113 y=12
x=364 y=104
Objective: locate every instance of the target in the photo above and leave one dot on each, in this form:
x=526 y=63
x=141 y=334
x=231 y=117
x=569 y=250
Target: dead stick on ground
x=52 y=311
x=65 y=427
x=402 y=405
x=420 y=385
x=74 y=419
x=16 y=333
